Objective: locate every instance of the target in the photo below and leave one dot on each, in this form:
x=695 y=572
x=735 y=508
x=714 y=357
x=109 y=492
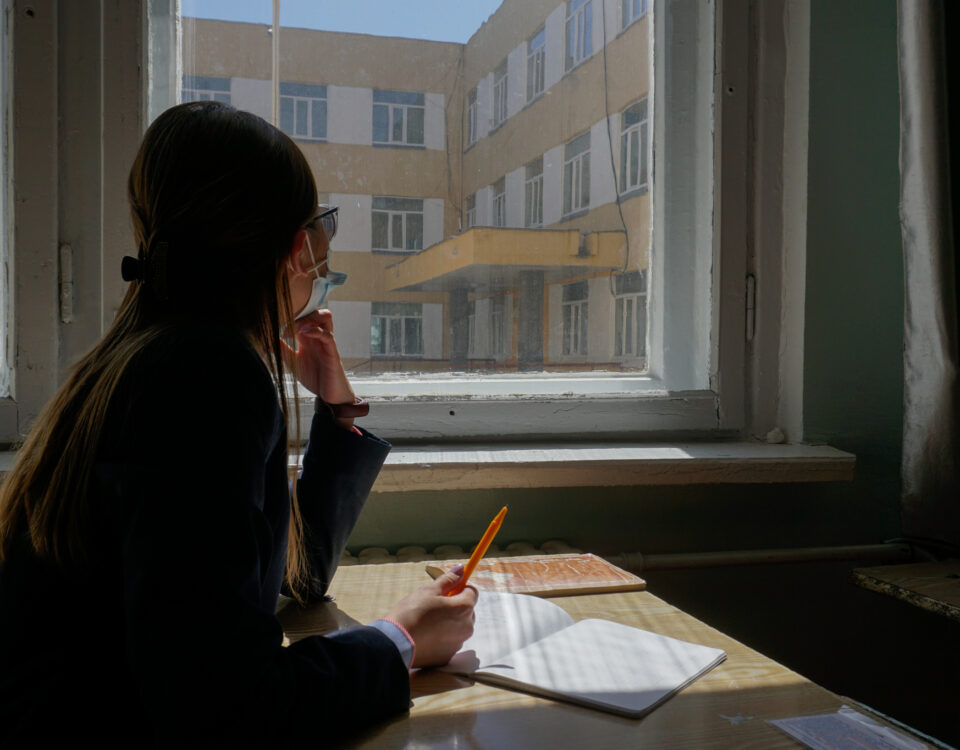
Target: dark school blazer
x=167 y=636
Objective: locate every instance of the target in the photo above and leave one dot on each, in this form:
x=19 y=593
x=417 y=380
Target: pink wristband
x=406 y=635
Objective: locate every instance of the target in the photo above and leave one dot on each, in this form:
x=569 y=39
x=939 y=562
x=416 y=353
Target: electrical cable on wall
x=613 y=165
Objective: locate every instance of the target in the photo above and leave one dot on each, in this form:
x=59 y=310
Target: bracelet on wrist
x=359 y=407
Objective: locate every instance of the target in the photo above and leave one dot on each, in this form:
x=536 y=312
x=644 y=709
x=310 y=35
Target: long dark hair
x=215 y=193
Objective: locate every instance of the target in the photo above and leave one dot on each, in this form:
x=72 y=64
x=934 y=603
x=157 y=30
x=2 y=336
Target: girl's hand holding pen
x=438 y=623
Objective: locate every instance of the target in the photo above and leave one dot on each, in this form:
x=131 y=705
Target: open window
x=594 y=183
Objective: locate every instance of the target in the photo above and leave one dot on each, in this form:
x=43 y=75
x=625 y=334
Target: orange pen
x=479 y=551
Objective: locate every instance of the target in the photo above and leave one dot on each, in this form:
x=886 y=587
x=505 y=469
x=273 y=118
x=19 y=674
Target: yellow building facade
x=494 y=196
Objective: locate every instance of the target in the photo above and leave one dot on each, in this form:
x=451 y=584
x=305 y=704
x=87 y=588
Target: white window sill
x=513 y=466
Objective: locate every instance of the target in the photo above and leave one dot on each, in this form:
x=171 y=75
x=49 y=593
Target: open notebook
x=530 y=644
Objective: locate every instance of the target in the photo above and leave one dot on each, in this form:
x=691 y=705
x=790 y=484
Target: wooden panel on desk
x=547 y=575
x=934 y=586
x=727 y=708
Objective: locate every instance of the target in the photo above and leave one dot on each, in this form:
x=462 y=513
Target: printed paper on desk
x=846 y=730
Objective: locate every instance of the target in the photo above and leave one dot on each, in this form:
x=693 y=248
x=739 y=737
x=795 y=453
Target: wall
x=900 y=660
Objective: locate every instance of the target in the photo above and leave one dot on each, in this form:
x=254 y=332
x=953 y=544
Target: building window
x=472 y=116
x=500 y=94
x=498 y=330
x=205 y=89
x=630 y=313
x=574 y=310
x=576 y=174
x=634 y=134
x=396 y=329
x=533 y=194
x=579 y=32
x=303 y=111
x=633 y=10
x=500 y=203
x=471 y=211
x=398 y=118
x=397 y=225
x=535 y=64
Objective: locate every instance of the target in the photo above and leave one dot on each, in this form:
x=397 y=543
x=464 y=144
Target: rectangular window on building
x=398 y=118
x=499 y=218
x=205 y=89
x=536 y=49
x=630 y=315
x=632 y=10
x=397 y=225
x=470 y=211
x=303 y=111
x=498 y=327
x=574 y=314
x=396 y=329
x=579 y=32
x=533 y=194
x=634 y=136
x=500 y=94
x=576 y=175
x=472 y=116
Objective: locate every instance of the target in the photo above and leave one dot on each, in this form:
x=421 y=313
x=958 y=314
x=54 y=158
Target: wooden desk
x=726 y=708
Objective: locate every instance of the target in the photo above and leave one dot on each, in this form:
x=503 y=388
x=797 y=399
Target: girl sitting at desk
x=148 y=526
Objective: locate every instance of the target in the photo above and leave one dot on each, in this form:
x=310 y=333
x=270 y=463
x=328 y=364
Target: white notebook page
x=505 y=623
x=605 y=663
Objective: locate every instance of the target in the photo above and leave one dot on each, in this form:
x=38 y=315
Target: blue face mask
x=321 y=284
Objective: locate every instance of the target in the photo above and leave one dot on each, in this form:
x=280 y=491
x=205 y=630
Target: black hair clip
x=131 y=269
x=150 y=270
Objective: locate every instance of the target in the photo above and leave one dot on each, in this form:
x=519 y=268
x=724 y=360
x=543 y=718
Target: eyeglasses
x=327 y=218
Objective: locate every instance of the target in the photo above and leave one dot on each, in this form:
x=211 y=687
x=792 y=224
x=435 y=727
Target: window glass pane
x=301 y=113
x=415 y=125
x=618 y=328
x=414 y=231
x=413 y=335
x=379 y=222
x=583 y=328
x=624 y=166
x=643 y=153
x=585 y=180
x=642 y=326
x=478 y=167
x=396 y=231
x=396 y=335
x=319 y=118
x=381 y=120
x=588 y=30
x=378 y=335
x=286 y=115
x=575 y=292
x=397 y=134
